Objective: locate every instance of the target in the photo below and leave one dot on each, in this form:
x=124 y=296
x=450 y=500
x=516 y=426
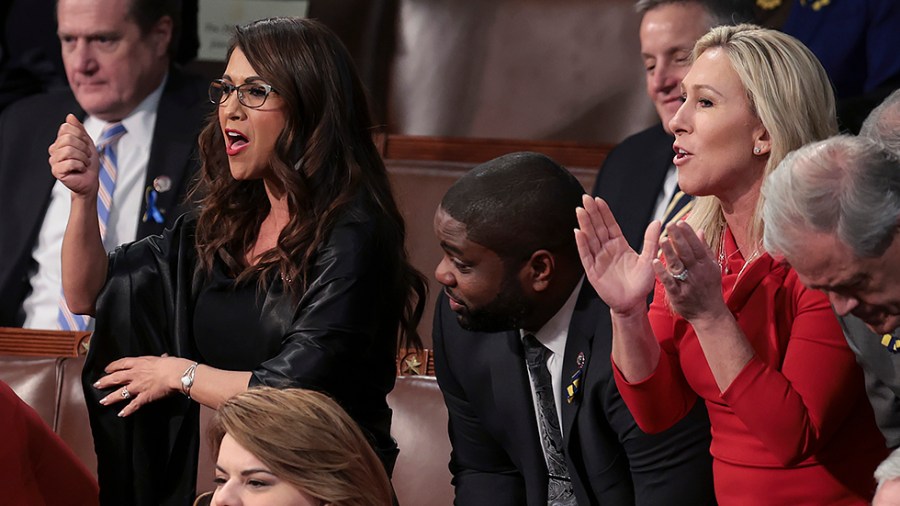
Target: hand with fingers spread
x=690 y=275
x=141 y=380
x=74 y=159
x=621 y=276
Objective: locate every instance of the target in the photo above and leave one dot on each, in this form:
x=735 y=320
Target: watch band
x=187 y=379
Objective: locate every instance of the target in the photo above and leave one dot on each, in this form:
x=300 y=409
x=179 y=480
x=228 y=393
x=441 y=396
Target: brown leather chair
x=421 y=476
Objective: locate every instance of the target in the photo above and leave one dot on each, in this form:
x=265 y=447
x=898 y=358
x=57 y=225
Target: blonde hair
x=307 y=440
x=789 y=92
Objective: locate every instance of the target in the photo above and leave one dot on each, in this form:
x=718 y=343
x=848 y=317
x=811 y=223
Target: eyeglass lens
x=249 y=94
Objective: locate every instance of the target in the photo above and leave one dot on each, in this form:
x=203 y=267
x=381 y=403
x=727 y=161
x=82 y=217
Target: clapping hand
x=621 y=277
x=691 y=275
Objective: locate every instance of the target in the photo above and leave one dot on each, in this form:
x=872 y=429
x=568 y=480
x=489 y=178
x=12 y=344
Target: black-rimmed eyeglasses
x=252 y=95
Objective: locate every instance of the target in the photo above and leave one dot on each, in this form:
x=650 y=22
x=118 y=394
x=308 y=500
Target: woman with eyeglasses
x=292 y=273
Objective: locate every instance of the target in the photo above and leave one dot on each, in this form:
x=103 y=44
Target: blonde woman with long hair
x=729 y=324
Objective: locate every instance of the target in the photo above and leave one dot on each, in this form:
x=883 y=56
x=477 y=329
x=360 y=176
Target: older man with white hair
x=832 y=210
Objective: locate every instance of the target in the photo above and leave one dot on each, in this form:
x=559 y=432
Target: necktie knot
x=110 y=135
x=535 y=351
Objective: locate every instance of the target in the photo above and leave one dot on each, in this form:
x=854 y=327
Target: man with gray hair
x=832 y=210
x=883 y=123
x=638 y=179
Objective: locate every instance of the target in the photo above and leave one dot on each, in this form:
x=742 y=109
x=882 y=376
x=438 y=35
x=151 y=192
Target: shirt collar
x=141 y=119
x=553 y=334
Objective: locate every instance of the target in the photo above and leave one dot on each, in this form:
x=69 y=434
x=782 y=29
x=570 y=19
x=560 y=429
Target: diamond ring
x=680 y=275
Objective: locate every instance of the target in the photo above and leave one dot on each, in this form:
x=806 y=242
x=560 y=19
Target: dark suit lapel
x=512 y=395
x=173 y=145
x=578 y=350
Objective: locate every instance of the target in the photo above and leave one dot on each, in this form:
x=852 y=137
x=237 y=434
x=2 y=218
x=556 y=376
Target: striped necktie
x=109 y=168
x=680 y=204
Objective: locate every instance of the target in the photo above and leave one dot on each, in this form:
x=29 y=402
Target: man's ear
x=541 y=268
x=160 y=35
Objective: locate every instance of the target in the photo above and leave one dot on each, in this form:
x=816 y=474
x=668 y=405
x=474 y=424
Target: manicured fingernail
x=104 y=400
x=121 y=414
x=97 y=384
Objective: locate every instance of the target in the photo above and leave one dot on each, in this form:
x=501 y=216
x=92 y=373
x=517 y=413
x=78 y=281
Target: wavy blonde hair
x=307 y=440
x=789 y=92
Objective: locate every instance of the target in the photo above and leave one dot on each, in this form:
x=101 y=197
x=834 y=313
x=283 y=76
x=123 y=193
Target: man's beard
x=506 y=312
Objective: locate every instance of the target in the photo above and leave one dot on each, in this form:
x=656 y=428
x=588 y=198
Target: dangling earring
x=757 y=150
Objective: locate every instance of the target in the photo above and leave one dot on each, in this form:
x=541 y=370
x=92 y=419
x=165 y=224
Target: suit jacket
x=28 y=127
x=632 y=178
x=881 y=369
x=497 y=457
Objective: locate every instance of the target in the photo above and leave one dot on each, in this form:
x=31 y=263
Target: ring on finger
x=125 y=393
x=680 y=275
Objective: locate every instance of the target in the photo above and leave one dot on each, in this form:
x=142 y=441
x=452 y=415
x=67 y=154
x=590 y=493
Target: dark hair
x=721 y=12
x=324 y=159
x=517 y=204
x=146 y=13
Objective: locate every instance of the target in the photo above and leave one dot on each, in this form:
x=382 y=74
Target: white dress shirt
x=133 y=153
x=554 y=335
x=668 y=191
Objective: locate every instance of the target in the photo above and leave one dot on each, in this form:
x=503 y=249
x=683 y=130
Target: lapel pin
x=579 y=361
x=162 y=184
x=574 y=386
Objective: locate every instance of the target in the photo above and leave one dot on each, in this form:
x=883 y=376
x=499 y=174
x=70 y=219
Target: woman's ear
x=762 y=143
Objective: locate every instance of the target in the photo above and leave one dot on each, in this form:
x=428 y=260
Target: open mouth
x=235 y=141
x=680 y=155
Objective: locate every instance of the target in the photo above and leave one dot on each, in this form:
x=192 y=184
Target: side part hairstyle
x=883 y=123
x=324 y=159
x=789 y=92
x=517 y=204
x=847 y=186
x=720 y=12
x=307 y=440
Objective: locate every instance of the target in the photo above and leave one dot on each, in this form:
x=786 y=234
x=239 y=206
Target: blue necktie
x=109 y=168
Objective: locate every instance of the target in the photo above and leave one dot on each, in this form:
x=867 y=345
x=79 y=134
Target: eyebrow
x=850 y=282
x=452 y=249
x=248 y=79
x=702 y=87
x=248 y=472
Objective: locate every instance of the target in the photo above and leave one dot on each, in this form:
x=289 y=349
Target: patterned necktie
x=559 y=486
x=109 y=167
x=679 y=206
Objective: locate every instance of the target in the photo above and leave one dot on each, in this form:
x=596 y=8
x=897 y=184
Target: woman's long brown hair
x=324 y=159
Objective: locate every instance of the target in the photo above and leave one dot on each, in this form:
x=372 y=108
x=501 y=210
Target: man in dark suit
x=117 y=56
x=638 y=179
x=522 y=347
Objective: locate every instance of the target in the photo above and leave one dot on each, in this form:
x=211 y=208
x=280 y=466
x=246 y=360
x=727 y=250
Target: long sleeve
x=660 y=400
x=483 y=473
x=341 y=338
x=795 y=406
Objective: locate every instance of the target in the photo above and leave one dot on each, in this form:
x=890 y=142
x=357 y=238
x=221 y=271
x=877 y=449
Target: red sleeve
x=660 y=400
x=43 y=470
x=794 y=410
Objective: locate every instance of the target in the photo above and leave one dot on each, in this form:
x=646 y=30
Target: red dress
x=36 y=466
x=795 y=426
